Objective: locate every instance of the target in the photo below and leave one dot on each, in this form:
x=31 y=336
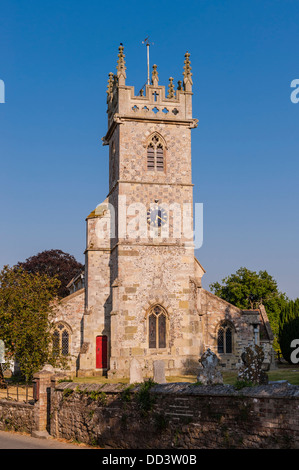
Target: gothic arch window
x=61 y=339
x=157 y=326
x=225 y=336
x=156 y=153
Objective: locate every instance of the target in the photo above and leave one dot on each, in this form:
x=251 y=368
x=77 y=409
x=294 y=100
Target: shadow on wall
x=169 y=416
x=191 y=366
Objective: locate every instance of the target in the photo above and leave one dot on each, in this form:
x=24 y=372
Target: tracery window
x=155 y=154
x=225 y=339
x=157 y=327
x=61 y=339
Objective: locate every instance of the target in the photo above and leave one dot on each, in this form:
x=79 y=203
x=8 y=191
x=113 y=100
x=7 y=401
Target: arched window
x=225 y=339
x=61 y=339
x=155 y=154
x=157 y=327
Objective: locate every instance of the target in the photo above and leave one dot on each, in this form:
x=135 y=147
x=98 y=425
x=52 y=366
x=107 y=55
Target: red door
x=101 y=352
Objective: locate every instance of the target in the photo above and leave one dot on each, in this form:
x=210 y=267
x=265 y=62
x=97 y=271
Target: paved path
x=12 y=440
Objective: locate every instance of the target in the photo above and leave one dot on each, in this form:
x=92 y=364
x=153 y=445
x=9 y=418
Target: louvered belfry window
x=155 y=155
x=150 y=158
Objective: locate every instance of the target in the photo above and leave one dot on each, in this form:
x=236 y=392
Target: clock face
x=156 y=216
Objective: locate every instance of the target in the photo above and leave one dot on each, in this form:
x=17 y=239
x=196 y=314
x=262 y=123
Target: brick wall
x=177 y=416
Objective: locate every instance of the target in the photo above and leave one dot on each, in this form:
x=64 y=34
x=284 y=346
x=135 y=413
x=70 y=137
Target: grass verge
x=283 y=372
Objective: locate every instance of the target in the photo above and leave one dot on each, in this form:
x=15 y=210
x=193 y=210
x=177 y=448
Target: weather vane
x=147 y=43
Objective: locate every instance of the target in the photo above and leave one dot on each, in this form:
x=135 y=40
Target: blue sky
x=55 y=60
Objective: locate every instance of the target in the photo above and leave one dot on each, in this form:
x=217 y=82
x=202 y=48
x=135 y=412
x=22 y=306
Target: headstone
x=251 y=370
x=208 y=374
x=135 y=372
x=159 y=372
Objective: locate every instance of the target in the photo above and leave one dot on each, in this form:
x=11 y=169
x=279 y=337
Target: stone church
x=141 y=294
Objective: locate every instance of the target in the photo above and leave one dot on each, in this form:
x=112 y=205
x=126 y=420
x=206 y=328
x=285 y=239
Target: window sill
x=158 y=350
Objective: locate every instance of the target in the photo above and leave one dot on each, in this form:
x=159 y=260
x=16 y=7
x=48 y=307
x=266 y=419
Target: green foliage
x=248 y=289
x=67 y=392
x=98 y=396
x=239 y=384
x=94 y=395
x=81 y=392
x=289 y=328
x=26 y=318
x=289 y=312
x=126 y=393
x=144 y=398
x=93 y=441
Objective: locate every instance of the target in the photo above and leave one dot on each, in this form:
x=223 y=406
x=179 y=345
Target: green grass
x=283 y=372
x=99 y=380
x=289 y=373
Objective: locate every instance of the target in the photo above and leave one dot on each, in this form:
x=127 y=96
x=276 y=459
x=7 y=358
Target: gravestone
x=208 y=374
x=159 y=372
x=251 y=370
x=135 y=372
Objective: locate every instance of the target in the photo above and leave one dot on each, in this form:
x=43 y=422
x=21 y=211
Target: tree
x=248 y=289
x=54 y=263
x=289 y=328
x=26 y=318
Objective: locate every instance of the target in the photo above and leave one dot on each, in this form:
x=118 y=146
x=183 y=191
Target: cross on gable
x=155 y=94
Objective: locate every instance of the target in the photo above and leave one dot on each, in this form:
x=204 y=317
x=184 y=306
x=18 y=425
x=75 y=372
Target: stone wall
x=177 y=415
x=16 y=416
x=70 y=311
x=213 y=311
x=152 y=278
x=133 y=140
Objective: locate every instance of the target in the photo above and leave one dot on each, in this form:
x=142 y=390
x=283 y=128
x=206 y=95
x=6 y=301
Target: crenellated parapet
x=154 y=102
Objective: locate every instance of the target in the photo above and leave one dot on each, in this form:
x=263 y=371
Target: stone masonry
x=177 y=416
x=143 y=296
x=167 y=416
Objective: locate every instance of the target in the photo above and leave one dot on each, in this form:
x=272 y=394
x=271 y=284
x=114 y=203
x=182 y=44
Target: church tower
x=143 y=297
x=142 y=276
